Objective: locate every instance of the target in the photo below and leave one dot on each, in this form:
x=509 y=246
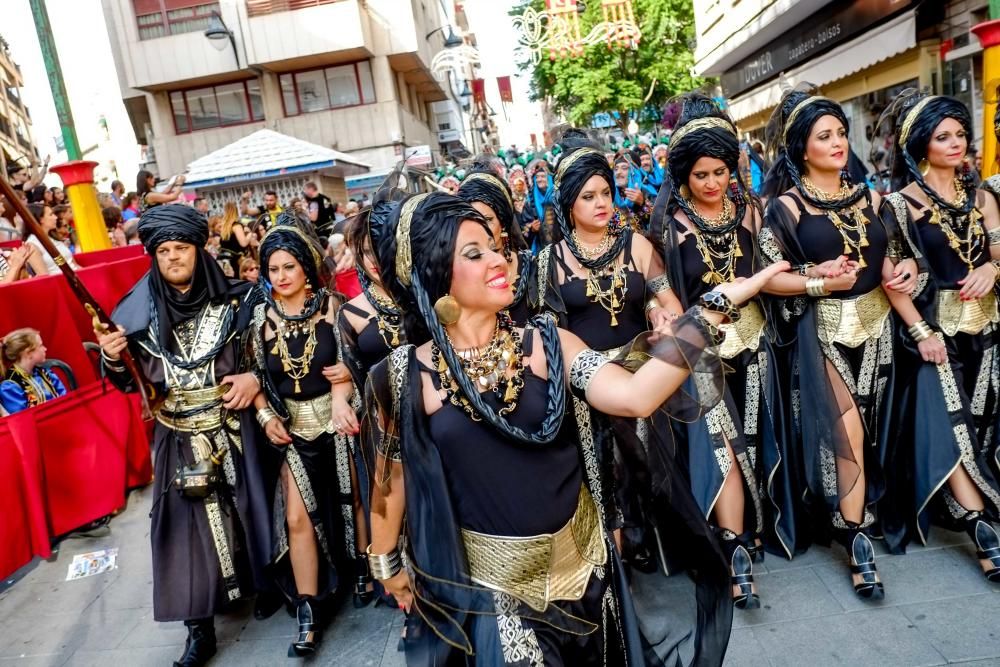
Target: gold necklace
x=612 y=298
x=724 y=218
x=388 y=325
x=854 y=228
x=724 y=247
x=487 y=367
x=966 y=248
x=34 y=392
x=295 y=368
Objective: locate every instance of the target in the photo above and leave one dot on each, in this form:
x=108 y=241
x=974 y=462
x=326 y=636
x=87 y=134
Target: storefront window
x=863 y=113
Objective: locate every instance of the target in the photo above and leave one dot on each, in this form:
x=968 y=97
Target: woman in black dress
x=606 y=284
x=707 y=221
x=489 y=195
x=834 y=318
x=234 y=238
x=507 y=556
x=950 y=339
x=294 y=340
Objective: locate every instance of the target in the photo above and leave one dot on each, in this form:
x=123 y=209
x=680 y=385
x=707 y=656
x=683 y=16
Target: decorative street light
x=218 y=32
x=451 y=41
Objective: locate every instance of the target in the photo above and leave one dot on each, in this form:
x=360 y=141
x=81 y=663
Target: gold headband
x=701 y=124
x=317 y=258
x=565 y=163
x=798 y=109
x=404 y=255
x=490 y=178
x=911 y=118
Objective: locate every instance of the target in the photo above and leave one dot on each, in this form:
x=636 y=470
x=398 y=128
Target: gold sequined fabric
x=204 y=403
x=971 y=317
x=745 y=333
x=311 y=418
x=853 y=321
x=542 y=568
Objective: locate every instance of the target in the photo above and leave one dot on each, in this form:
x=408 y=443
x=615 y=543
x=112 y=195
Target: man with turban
x=186 y=324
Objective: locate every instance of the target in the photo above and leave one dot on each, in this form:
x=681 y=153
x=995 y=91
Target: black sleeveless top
x=325 y=354
x=371 y=348
x=500 y=487
x=589 y=320
x=948 y=269
x=821 y=242
x=232 y=244
x=693 y=267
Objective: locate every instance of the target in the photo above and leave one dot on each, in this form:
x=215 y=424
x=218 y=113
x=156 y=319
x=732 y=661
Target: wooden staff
x=83 y=296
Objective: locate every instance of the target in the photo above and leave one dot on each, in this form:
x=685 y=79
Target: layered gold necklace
x=611 y=298
x=389 y=326
x=488 y=367
x=853 y=227
x=966 y=248
x=720 y=251
x=295 y=368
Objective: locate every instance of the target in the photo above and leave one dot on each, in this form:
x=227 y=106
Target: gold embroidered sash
x=192 y=410
x=745 y=333
x=312 y=418
x=542 y=568
x=852 y=322
x=971 y=317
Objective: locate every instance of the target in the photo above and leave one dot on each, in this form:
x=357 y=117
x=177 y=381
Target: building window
x=216 y=106
x=160 y=18
x=327 y=88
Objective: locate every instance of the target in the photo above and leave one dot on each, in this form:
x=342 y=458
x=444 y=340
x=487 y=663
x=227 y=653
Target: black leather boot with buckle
x=200 y=644
x=987 y=542
x=740 y=568
x=363 y=579
x=862 y=561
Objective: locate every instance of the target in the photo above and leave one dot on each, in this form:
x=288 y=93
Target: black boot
x=200 y=644
x=862 y=562
x=363 y=579
x=308 y=637
x=987 y=542
x=741 y=569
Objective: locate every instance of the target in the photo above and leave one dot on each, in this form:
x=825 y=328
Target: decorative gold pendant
x=614 y=319
x=298 y=387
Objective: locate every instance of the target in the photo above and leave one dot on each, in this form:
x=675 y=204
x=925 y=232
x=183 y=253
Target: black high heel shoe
x=308 y=637
x=741 y=568
x=755 y=548
x=200 y=645
x=862 y=561
x=363 y=579
x=987 y=543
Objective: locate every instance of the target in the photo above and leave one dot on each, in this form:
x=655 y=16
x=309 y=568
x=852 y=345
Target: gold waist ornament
x=745 y=333
x=312 y=418
x=206 y=405
x=542 y=568
x=971 y=317
x=852 y=322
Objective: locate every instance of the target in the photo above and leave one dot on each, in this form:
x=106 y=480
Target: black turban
x=291 y=239
x=172 y=222
x=716 y=139
x=486 y=187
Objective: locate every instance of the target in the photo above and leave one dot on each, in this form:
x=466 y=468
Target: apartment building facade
x=16 y=139
x=348 y=75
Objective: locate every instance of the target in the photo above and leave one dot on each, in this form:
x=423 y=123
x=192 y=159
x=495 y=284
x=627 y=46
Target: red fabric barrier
x=66 y=463
x=95 y=257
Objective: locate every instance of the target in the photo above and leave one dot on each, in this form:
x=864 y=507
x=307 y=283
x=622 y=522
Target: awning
x=874 y=46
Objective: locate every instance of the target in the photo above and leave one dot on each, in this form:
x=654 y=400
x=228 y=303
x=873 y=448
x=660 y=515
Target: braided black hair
x=496 y=194
x=432 y=236
x=788 y=143
x=569 y=181
x=905 y=160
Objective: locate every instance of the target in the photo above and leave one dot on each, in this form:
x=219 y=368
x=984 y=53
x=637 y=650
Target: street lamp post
x=218 y=32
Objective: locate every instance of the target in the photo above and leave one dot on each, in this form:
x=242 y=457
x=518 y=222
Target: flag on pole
x=503 y=85
x=479 y=91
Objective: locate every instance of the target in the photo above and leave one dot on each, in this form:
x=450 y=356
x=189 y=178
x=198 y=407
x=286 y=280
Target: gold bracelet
x=651 y=304
x=264 y=415
x=384 y=566
x=996 y=267
x=920 y=331
x=816 y=287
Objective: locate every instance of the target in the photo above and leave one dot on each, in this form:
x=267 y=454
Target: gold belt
x=969 y=317
x=541 y=568
x=192 y=410
x=745 y=333
x=311 y=418
x=853 y=321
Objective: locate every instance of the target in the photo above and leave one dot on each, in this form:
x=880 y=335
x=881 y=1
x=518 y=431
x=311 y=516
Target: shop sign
x=817 y=34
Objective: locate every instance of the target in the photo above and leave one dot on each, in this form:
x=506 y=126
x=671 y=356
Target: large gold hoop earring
x=447 y=310
x=924 y=167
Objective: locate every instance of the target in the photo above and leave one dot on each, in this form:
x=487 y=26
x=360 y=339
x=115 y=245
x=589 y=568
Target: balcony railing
x=264 y=7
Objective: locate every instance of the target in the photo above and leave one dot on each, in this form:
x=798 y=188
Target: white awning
x=874 y=46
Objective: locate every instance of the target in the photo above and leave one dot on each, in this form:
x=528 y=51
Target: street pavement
x=938 y=610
